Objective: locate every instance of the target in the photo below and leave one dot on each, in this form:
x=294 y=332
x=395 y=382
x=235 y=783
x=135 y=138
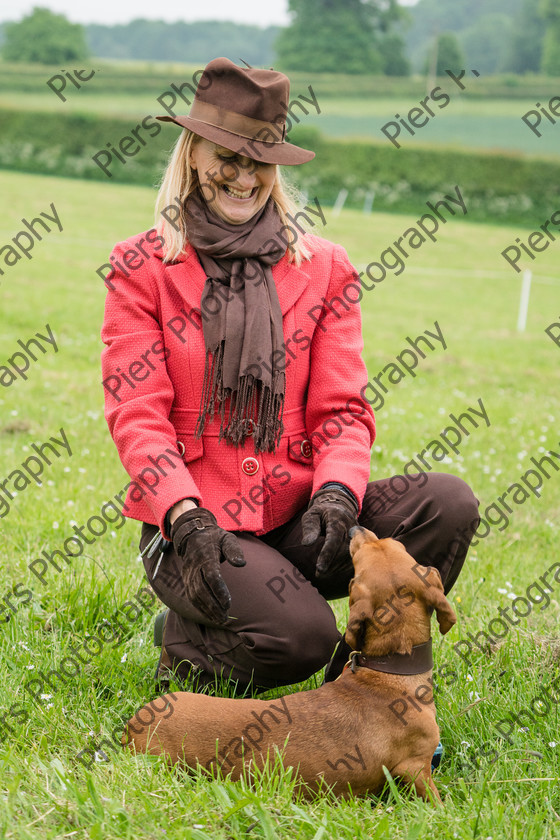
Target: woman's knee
x=455 y=502
x=296 y=652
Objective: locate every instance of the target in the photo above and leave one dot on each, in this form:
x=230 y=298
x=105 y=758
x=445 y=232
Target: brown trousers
x=281 y=628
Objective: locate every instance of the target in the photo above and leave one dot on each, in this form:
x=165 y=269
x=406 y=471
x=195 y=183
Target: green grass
x=462 y=282
x=486 y=116
x=464 y=123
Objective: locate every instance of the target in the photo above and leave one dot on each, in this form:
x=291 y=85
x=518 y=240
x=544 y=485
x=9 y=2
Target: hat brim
x=285 y=154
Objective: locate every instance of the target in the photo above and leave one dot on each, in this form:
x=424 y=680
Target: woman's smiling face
x=234 y=187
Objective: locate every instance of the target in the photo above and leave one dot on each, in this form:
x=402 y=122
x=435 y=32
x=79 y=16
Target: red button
x=306 y=449
x=250 y=428
x=250 y=466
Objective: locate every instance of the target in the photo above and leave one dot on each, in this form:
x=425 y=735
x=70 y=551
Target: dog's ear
x=361 y=613
x=436 y=599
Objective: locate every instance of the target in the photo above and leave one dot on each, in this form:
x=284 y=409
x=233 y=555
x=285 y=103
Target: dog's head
x=392 y=597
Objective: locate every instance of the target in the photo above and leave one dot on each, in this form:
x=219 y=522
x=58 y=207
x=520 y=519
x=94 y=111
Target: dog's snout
x=355 y=529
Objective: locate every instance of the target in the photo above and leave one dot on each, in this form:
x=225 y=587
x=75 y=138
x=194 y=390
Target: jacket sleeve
x=139 y=393
x=339 y=421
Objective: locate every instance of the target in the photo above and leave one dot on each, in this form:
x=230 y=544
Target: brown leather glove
x=203 y=545
x=331 y=512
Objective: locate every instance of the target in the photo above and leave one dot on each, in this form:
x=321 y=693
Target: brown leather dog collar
x=418 y=661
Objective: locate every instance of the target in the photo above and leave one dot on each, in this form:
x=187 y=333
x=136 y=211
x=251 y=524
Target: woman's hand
x=331 y=512
x=203 y=545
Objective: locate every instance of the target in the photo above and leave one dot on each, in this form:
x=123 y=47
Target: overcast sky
x=260 y=12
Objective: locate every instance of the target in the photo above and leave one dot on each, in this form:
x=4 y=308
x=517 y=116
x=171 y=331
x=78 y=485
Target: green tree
x=428 y=17
x=197 y=42
x=45 y=38
x=336 y=36
x=393 y=53
x=486 y=42
x=449 y=54
x=550 y=11
x=525 y=46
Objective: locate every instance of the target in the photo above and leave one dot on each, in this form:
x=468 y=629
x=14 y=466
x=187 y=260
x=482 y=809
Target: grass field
x=464 y=123
x=492 y=788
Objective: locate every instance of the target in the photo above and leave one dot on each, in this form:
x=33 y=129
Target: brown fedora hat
x=244 y=110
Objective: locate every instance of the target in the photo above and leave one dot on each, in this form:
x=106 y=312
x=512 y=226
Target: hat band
x=236 y=123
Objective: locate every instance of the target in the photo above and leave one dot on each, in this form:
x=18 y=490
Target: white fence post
x=524 y=301
x=368 y=201
x=339 y=203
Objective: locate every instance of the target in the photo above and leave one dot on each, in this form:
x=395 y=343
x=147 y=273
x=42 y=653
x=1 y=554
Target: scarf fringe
x=268 y=426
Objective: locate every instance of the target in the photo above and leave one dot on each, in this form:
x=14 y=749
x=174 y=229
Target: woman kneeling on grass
x=233 y=378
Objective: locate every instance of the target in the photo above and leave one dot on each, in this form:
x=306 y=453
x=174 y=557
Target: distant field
x=486 y=116
x=493 y=788
x=467 y=123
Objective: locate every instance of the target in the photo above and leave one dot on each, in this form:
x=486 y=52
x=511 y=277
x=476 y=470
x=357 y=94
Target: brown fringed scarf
x=245 y=353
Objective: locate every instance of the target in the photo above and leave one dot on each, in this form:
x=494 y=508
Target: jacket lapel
x=290 y=281
x=188 y=277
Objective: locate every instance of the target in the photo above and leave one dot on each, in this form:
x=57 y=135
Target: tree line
x=338 y=36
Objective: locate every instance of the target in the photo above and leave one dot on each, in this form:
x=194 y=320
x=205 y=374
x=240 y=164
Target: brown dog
x=380 y=711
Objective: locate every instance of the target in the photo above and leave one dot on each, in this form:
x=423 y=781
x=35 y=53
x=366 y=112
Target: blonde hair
x=180 y=180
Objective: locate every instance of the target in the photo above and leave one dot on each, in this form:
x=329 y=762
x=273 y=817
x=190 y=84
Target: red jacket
x=153 y=369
